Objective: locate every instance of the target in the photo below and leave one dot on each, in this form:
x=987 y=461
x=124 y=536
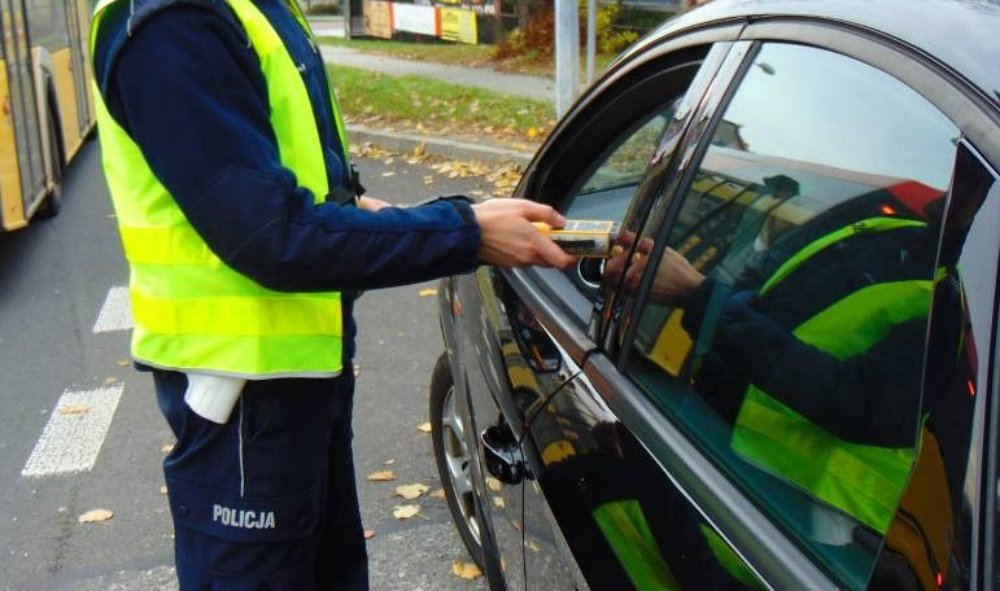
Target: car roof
x=962 y=34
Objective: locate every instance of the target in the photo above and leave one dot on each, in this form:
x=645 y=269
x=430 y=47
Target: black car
x=783 y=374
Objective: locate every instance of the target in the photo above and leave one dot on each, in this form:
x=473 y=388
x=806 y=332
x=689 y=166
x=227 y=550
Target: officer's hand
x=508 y=239
x=676 y=279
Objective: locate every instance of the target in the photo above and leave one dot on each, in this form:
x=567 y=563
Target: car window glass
x=785 y=318
x=607 y=192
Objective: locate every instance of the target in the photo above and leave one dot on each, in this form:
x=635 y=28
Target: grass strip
x=435 y=107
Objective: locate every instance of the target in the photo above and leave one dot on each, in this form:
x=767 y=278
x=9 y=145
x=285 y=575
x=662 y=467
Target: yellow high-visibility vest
x=192 y=311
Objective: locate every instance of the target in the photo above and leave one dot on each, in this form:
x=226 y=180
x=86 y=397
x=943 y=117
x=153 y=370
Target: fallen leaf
x=466 y=570
x=425 y=427
x=163 y=490
x=438 y=494
x=389 y=462
x=388 y=173
x=167 y=448
x=426 y=293
x=357 y=370
x=493 y=484
x=124 y=362
x=382 y=476
x=110 y=381
x=532 y=546
x=533 y=132
x=411 y=491
x=369 y=534
x=420 y=150
x=74 y=409
x=499 y=503
x=95 y=516
x=405 y=511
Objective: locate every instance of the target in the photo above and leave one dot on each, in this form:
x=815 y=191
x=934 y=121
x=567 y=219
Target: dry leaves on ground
x=368 y=150
x=167 y=448
x=505 y=178
x=406 y=511
x=427 y=293
x=438 y=494
x=465 y=570
x=424 y=427
x=493 y=484
x=74 y=409
x=382 y=476
x=455 y=169
x=369 y=534
x=96 y=516
x=411 y=491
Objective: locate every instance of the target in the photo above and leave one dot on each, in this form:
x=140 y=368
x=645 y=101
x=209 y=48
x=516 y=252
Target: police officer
x=239 y=215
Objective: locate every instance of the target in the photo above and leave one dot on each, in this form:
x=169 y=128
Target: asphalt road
x=57 y=349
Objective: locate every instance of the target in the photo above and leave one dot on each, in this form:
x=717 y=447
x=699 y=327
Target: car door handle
x=503 y=455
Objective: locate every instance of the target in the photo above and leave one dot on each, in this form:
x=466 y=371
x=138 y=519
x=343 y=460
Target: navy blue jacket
x=181 y=79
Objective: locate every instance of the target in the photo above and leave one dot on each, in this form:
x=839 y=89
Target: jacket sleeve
x=191 y=94
x=869 y=398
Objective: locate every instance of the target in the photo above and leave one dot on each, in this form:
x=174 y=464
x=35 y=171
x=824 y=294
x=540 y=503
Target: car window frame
x=989 y=524
x=562 y=309
x=971 y=112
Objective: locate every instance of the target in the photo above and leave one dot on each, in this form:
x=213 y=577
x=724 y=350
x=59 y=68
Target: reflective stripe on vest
x=192 y=311
x=624 y=526
x=865 y=481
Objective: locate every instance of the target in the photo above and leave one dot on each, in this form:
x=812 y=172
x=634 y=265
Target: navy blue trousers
x=268 y=500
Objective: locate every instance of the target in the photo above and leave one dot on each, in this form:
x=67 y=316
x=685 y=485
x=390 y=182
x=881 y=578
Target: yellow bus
x=45 y=111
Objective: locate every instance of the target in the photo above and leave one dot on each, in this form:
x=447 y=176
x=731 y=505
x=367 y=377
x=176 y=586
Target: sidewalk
x=532 y=87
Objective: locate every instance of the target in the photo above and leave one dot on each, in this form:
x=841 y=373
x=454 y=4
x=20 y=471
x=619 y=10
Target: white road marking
x=72 y=440
x=116 y=314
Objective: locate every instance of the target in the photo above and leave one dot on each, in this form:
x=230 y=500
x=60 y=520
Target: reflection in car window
x=786 y=319
x=607 y=192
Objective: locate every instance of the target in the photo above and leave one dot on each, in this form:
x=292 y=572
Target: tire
x=451 y=453
x=53 y=201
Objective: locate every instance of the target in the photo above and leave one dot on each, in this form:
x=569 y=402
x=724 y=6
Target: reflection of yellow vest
x=865 y=481
x=192 y=311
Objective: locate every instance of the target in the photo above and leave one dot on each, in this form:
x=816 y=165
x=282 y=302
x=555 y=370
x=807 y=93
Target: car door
x=794 y=359
x=541 y=426
x=519 y=370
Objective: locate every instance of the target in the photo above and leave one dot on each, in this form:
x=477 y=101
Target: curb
x=438 y=146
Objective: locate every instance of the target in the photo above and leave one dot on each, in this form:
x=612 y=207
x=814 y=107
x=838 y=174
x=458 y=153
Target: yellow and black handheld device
x=584 y=238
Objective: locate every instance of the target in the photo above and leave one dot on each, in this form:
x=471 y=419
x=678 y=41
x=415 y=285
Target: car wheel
x=451 y=452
